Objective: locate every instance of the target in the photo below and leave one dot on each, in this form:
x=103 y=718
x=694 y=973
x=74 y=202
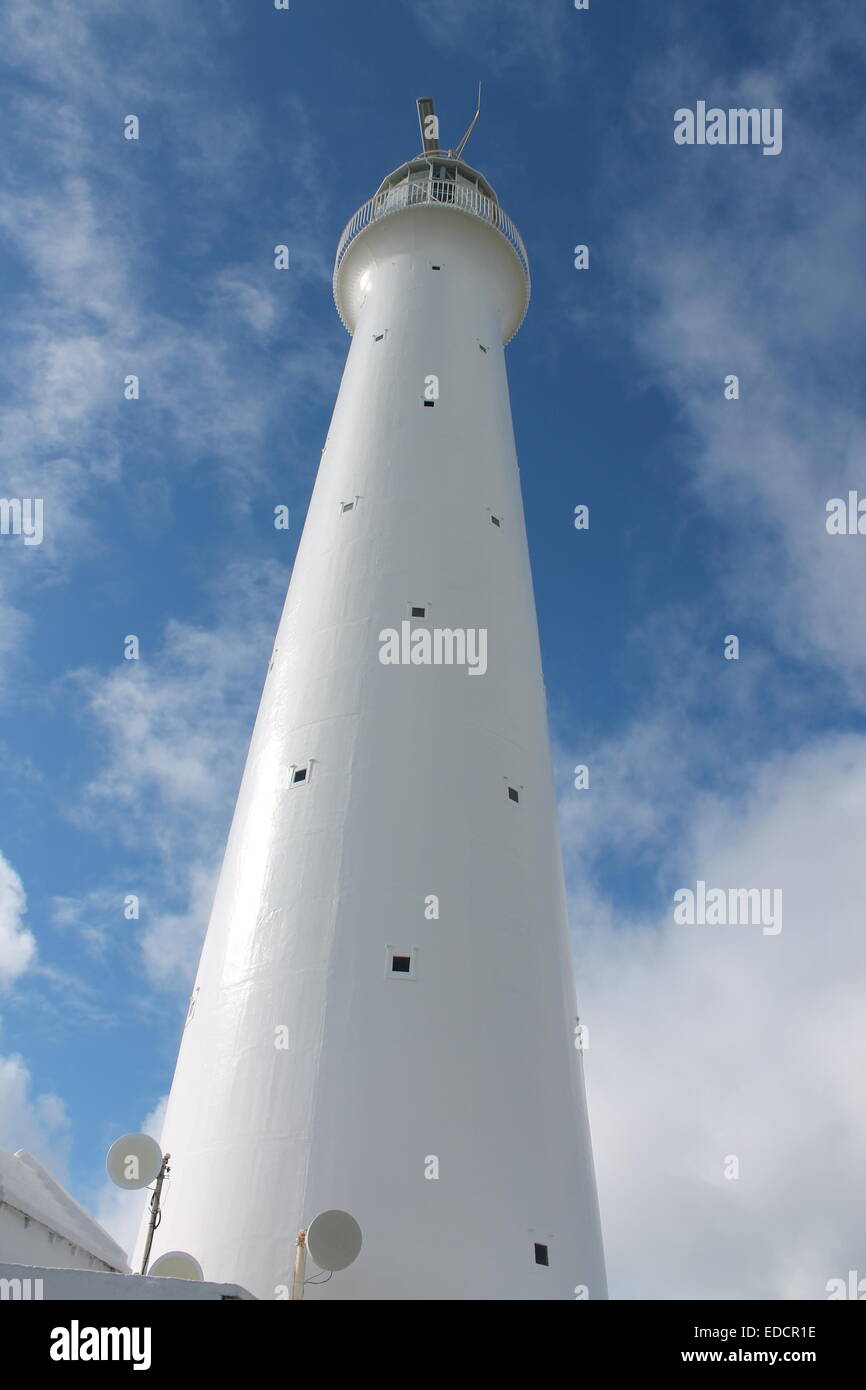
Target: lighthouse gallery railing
x=437 y=192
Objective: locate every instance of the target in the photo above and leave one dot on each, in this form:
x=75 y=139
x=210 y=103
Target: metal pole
x=300 y=1262
x=154 y=1210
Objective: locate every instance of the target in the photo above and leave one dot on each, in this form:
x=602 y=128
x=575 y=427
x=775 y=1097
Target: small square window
x=496 y=520
x=400 y=962
x=513 y=794
x=347 y=506
x=417 y=612
x=298 y=775
x=377 y=337
x=435 y=267
x=430 y=404
x=482 y=347
x=541 y=1254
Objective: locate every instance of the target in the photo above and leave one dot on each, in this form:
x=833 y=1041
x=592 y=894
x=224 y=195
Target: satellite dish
x=133 y=1161
x=176 y=1264
x=334 y=1240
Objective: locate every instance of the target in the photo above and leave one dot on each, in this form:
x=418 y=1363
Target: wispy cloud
x=84 y=223
x=727 y=268
x=173 y=728
x=506 y=34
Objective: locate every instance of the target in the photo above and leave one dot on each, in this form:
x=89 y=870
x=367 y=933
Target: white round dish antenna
x=133 y=1161
x=334 y=1240
x=176 y=1264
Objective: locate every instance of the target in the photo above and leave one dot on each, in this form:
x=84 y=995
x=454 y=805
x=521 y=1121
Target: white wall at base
x=29 y=1283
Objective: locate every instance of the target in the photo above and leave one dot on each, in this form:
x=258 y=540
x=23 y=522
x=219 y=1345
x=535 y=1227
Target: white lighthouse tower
x=383 y=1020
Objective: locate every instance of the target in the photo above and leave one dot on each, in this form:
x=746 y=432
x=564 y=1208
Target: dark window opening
x=482 y=347
x=541 y=1257
x=418 y=613
x=299 y=775
x=496 y=521
x=377 y=337
x=347 y=506
x=435 y=267
x=401 y=965
x=430 y=403
x=513 y=794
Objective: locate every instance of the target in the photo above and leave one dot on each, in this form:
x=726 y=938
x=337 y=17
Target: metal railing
x=436 y=192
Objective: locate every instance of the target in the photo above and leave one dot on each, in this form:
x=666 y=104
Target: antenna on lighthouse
x=429 y=123
x=334 y=1241
x=133 y=1161
x=465 y=141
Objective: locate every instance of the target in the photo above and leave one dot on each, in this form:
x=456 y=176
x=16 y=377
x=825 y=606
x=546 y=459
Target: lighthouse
x=383 y=1018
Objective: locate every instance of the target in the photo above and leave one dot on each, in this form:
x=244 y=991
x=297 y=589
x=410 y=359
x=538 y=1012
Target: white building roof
x=30 y=1188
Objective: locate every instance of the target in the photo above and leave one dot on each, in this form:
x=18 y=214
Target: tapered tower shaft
x=384 y=1015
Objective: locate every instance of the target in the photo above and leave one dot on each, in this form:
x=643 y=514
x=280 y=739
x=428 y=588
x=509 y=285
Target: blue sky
x=707 y=517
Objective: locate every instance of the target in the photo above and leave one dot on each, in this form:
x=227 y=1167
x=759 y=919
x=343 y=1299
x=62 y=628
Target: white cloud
x=97 y=917
x=712 y=1041
x=169 y=717
x=172 y=941
x=37 y=1123
x=17 y=944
